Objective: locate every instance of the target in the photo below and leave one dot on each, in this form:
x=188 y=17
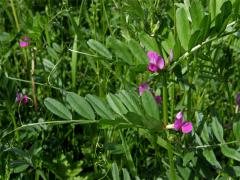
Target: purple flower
x=179 y=124
x=21 y=98
x=238 y=99
x=25 y=99
x=24 y=42
x=156 y=62
x=158 y=99
x=18 y=98
x=143 y=87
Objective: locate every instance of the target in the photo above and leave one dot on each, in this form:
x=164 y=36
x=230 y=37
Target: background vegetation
x=81 y=72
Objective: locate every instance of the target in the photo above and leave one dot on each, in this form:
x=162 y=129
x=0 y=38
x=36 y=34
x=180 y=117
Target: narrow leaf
x=150 y=106
x=116 y=104
x=80 y=105
x=148 y=42
x=99 y=48
x=100 y=107
x=126 y=175
x=183 y=28
x=57 y=108
x=121 y=50
x=137 y=52
x=230 y=152
x=217 y=130
x=115 y=172
x=211 y=158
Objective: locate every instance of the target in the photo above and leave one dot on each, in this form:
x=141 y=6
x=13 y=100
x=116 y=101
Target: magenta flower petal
x=187 y=127
x=179 y=115
x=18 y=98
x=158 y=99
x=152 y=67
x=25 y=99
x=161 y=63
x=153 y=57
x=23 y=44
x=143 y=87
x=238 y=99
x=178 y=124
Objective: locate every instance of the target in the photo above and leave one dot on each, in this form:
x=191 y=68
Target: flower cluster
x=20 y=98
x=24 y=42
x=156 y=62
x=145 y=87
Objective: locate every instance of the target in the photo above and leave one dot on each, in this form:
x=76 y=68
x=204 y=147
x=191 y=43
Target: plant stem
x=15 y=126
x=165 y=98
x=33 y=81
x=165 y=122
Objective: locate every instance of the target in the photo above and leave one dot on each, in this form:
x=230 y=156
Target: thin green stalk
x=165 y=98
x=165 y=121
x=15 y=15
x=172 y=95
x=128 y=155
x=18 y=29
x=74 y=61
x=15 y=126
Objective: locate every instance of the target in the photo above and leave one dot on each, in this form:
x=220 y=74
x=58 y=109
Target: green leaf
x=212 y=8
x=134 y=8
x=126 y=175
x=168 y=44
x=206 y=23
x=230 y=152
x=183 y=28
x=188 y=157
x=150 y=106
x=163 y=143
x=116 y=104
x=57 y=108
x=100 y=107
x=80 y=105
x=217 y=130
x=121 y=50
x=130 y=101
x=205 y=134
x=135 y=119
x=236 y=130
x=223 y=18
x=194 y=39
x=115 y=172
x=211 y=158
x=233 y=171
x=148 y=42
x=99 y=48
x=197 y=14
x=19 y=166
x=52 y=53
x=137 y=52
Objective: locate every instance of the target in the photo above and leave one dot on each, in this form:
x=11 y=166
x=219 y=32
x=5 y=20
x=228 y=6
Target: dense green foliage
x=84 y=118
